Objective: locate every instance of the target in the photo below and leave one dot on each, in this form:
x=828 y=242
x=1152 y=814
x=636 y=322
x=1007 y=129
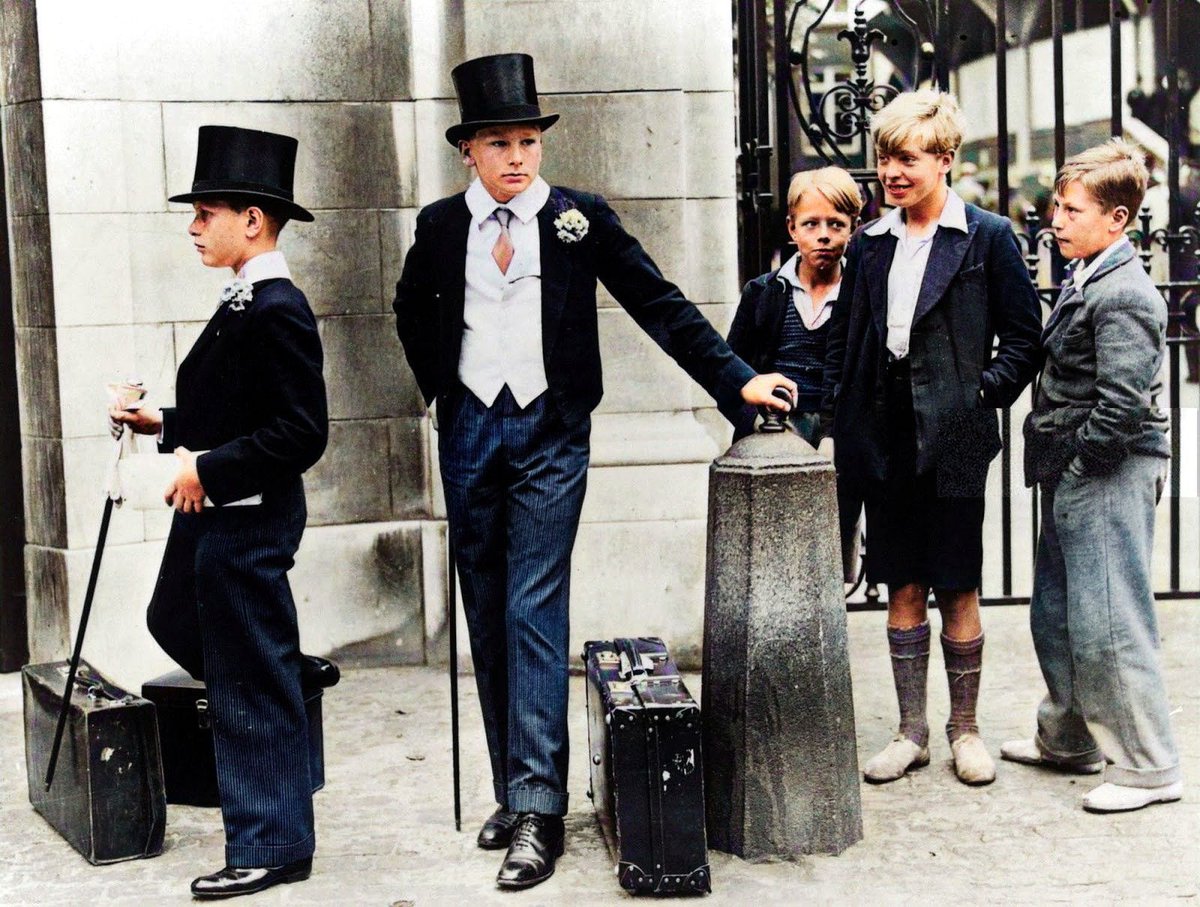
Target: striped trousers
x=223 y=609
x=514 y=482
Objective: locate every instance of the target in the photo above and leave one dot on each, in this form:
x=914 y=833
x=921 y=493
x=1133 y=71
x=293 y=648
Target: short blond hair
x=838 y=187
x=1114 y=174
x=927 y=118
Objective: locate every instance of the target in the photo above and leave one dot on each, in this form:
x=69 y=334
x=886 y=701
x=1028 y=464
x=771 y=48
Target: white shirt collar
x=953 y=217
x=1081 y=276
x=267 y=266
x=789 y=272
x=525 y=206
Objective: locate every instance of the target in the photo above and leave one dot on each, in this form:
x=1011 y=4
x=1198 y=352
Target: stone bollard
x=780 y=762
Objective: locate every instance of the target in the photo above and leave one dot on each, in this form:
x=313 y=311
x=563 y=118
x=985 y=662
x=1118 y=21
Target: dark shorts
x=913 y=534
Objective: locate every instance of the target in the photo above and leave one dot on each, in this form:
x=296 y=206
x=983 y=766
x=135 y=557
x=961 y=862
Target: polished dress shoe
x=317 y=672
x=536 y=844
x=497 y=831
x=230 y=881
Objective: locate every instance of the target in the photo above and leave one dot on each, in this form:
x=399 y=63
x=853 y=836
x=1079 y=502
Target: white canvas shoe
x=972 y=762
x=894 y=760
x=1116 y=798
x=1027 y=752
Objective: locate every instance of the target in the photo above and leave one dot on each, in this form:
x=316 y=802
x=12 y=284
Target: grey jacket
x=1096 y=398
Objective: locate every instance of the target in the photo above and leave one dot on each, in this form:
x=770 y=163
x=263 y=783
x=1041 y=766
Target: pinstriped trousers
x=514 y=482
x=223 y=609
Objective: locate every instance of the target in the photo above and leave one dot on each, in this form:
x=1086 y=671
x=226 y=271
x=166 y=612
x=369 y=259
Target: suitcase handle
x=634 y=665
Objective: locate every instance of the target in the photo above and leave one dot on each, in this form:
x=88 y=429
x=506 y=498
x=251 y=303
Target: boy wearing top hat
x=496 y=309
x=250 y=418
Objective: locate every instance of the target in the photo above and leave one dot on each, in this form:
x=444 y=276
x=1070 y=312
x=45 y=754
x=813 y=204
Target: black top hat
x=245 y=162
x=496 y=91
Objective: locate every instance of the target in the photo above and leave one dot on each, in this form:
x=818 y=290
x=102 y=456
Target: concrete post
x=780 y=762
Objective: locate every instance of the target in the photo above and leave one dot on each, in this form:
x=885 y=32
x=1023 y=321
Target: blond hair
x=1114 y=174
x=838 y=187
x=929 y=119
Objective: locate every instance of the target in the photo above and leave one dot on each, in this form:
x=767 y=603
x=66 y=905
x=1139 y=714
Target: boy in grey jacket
x=1096 y=442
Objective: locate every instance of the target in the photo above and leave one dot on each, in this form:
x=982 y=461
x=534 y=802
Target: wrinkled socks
x=964 y=664
x=910 y=670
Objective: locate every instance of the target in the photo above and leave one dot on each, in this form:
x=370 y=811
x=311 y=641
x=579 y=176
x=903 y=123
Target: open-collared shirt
x=502 y=312
x=802 y=298
x=908 y=266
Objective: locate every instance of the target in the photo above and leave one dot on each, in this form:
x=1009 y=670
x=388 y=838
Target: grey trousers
x=1094 y=627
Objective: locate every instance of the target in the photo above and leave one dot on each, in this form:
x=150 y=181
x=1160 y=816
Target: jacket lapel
x=945 y=260
x=878 y=253
x=453 y=280
x=556 y=268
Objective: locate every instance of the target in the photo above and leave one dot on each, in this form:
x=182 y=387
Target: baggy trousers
x=514 y=482
x=1094 y=626
x=223 y=609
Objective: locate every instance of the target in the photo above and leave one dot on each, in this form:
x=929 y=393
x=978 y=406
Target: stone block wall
x=100 y=107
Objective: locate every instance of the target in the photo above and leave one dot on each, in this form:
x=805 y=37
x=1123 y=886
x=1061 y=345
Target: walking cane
x=452 y=622
x=65 y=707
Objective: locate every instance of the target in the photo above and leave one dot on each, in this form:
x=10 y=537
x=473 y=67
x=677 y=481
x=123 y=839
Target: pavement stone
x=386 y=836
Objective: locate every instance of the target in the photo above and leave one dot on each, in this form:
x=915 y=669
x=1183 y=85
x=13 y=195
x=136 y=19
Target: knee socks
x=910 y=668
x=964 y=663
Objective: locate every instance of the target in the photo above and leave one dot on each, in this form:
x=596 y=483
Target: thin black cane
x=452 y=622
x=83 y=622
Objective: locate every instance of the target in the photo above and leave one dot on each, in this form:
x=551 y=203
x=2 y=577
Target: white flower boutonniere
x=571 y=225
x=237 y=292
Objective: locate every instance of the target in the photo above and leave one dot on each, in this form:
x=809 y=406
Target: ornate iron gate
x=809 y=78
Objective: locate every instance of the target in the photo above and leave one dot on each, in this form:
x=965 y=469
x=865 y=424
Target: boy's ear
x=464 y=148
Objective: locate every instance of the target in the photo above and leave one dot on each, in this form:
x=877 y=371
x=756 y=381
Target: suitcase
x=107 y=798
x=185 y=736
x=647 y=777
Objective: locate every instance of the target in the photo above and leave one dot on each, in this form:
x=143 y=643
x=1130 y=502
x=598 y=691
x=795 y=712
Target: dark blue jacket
x=252 y=394
x=976 y=290
x=430 y=294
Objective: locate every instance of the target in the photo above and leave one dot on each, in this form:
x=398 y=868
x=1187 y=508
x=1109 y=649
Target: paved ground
x=386 y=835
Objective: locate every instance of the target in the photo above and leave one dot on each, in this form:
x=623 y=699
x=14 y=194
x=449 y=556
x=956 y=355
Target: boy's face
x=1081 y=226
x=910 y=176
x=820 y=231
x=507 y=158
x=219 y=234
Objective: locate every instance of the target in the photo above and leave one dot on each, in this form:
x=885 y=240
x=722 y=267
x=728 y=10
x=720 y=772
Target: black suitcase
x=647 y=773
x=107 y=798
x=185 y=736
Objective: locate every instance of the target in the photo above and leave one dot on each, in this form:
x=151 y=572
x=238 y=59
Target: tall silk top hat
x=245 y=162
x=496 y=91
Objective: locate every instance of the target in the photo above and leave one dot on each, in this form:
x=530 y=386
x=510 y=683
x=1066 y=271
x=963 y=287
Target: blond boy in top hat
x=496 y=309
x=250 y=418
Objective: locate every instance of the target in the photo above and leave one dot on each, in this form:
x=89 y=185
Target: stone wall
x=101 y=102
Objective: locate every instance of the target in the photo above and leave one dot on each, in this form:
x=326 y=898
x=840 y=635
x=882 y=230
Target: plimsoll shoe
x=497 y=830
x=894 y=760
x=972 y=762
x=1117 y=798
x=1027 y=752
x=230 y=881
x=536 y=844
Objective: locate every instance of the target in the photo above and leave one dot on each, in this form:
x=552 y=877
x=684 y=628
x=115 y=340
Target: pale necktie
x=502 y=252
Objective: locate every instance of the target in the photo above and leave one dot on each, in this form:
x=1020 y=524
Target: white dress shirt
x=502 y=312
x=802 y=298
x=267 y=266
x=908 y=266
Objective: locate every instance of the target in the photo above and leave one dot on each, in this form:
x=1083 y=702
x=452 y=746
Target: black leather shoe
x=497 y=831
x=536 y=844
x=317 y=672
x=230 y=882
